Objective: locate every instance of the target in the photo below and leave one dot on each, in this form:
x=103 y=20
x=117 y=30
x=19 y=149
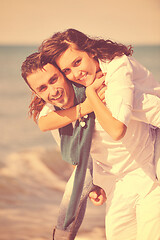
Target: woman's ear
x=93 y=55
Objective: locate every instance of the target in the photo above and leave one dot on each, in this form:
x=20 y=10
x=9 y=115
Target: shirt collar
x=103 y=65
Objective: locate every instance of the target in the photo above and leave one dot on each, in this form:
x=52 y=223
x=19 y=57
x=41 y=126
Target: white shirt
x=125 y=79
x=44 y=112
x=125 y=99
x=114 y=159
x=146 y=108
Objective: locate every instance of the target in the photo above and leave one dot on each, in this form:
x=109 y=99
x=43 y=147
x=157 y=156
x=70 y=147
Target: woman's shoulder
x=119 y=62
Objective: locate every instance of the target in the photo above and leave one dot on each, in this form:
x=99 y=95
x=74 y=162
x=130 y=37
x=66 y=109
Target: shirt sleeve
x=120 y=88
x=46 y=109
x=44 y=112
x=146 y=108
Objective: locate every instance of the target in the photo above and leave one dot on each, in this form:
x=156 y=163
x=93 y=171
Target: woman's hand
x=97 y=84
x=115 y=128
x=101 y=92
x=100 y=89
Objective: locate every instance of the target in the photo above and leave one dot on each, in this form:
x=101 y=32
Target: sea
x=18 y=132
x=32 y=174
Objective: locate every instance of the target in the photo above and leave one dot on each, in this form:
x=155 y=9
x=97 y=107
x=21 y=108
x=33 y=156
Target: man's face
x=50 y=85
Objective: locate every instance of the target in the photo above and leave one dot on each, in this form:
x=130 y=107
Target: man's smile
x=57 y=97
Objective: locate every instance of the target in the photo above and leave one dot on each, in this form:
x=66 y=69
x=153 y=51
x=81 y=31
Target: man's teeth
x=55 y=98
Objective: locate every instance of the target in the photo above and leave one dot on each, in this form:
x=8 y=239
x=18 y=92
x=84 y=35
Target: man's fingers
x=98 y=201
x=97 y=196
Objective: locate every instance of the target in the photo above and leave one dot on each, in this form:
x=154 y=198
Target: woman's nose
x=75 y=73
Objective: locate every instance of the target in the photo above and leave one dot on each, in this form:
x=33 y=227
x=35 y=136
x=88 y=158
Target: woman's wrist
x=89 y=91
x=91 y=94
x=86 y=107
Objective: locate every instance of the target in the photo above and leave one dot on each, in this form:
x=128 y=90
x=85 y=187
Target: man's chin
x=60 y=105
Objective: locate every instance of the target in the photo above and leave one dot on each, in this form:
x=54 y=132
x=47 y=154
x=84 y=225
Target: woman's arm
x=119 y=97
x=112 y=126
x=61 y=118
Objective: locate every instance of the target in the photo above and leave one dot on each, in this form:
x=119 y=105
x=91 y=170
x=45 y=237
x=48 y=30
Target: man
x=49 y=85
x=52 y=89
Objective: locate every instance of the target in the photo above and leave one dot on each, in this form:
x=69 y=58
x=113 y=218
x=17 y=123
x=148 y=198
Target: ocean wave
x=32 y=182
x=34 y=168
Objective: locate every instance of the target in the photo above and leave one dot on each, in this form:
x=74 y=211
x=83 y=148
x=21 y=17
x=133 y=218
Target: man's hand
x=97 y=196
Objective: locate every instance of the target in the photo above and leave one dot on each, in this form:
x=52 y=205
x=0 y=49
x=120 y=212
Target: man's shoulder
x=46 y=109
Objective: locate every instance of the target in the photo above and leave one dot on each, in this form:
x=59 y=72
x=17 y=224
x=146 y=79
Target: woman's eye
x=77 y=62
x=66 y=71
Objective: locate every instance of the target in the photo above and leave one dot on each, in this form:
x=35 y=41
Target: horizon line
x=37 y=45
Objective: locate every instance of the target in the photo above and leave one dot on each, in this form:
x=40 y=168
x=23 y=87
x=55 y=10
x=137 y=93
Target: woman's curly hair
x=56 y=45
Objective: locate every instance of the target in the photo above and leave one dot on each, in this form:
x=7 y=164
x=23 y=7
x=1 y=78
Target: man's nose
x=52 y=90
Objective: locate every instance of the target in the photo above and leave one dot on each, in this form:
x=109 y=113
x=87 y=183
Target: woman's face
x=78 y=66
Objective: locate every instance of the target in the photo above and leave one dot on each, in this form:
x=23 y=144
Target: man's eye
x=43 y=88
x=53 y=81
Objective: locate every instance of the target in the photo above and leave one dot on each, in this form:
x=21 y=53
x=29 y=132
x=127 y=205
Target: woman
x=128 y=142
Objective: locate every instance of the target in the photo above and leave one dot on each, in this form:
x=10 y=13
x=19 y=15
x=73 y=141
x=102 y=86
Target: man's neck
x=72 y=96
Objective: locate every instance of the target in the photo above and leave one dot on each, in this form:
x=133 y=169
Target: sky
x=126 y=21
